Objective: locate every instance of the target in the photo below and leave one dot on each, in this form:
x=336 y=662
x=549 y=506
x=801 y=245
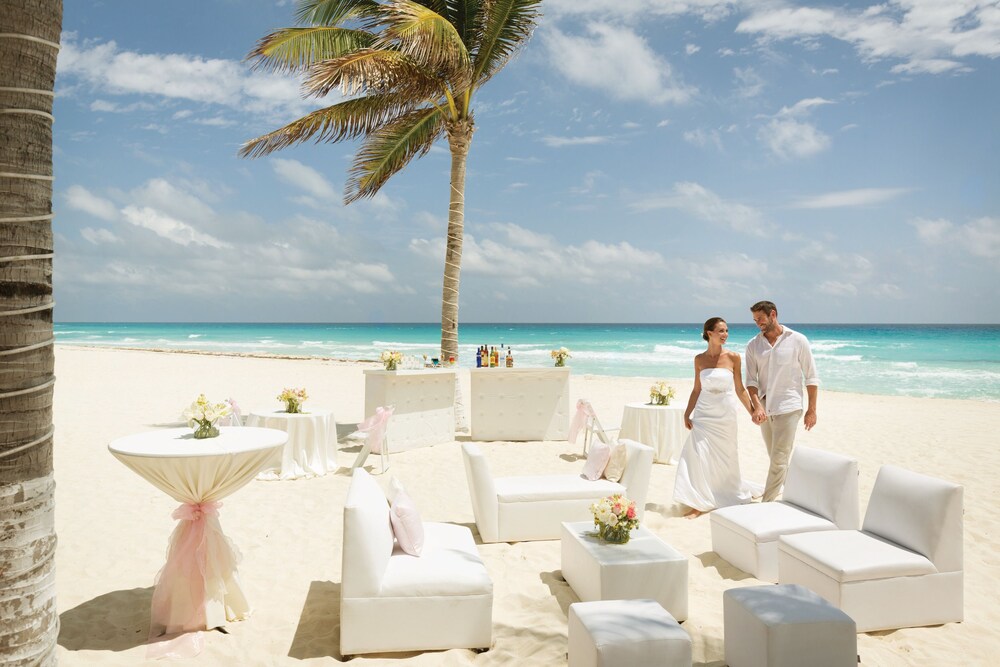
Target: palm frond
x=503 y=27
x=332 y=12
x=424 y=35
x=371 y=70
x=296 y=49
x=349 y=119
x=390 y=148
x=463 y=14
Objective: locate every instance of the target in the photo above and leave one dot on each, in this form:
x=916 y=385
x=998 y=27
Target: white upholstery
x=391 y=601
x=620 y=633
x=786 y=626
x=903 y=569
x=424 y=401
x=516 y=509
x=645 y=567
x=821 y=493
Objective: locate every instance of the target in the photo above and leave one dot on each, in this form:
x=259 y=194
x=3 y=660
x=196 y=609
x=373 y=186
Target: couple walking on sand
x=777 y=361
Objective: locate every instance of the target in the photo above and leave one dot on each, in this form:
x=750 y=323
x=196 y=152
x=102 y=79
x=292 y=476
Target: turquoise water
x=947 y=361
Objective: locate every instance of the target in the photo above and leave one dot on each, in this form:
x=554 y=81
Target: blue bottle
x=479 y=358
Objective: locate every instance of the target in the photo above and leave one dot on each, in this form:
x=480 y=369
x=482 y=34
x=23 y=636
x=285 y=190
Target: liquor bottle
x=479 y=358
x=494 y=359
x=510 y=358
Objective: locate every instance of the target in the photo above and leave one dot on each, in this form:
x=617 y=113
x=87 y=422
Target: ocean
x=942 y=361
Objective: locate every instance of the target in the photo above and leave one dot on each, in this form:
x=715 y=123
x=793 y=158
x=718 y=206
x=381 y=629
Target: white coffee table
x=644 y=568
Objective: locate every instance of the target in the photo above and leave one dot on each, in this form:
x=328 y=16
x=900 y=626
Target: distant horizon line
x=620 y=324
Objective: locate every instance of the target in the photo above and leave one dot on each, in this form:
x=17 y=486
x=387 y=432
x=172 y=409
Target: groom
x=776 y=360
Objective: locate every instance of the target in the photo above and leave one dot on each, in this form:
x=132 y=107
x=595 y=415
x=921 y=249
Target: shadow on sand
x=115 y=621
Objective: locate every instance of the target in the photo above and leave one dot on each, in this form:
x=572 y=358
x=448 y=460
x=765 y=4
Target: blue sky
x=639 y=161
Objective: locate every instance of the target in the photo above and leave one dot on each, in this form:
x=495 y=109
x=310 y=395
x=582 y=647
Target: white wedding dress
x=708 y=472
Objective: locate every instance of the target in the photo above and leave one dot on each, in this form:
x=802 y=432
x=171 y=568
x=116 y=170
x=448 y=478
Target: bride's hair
x=710 y=325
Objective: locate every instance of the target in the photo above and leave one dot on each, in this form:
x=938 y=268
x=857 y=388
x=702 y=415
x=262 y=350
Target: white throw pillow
x=616 y=463
x=405 y=520
x=597 y=460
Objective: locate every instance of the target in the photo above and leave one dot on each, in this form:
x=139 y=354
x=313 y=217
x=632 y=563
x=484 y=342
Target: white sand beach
x=113 y=526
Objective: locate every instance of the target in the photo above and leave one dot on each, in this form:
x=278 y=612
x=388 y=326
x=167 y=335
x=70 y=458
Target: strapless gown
x=708 y=472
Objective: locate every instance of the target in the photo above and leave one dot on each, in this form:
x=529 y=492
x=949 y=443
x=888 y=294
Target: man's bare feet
x=693 y=514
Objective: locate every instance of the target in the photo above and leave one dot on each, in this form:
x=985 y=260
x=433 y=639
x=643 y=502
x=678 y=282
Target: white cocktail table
x=644 y=568
x=311 y=449
x=659 y=426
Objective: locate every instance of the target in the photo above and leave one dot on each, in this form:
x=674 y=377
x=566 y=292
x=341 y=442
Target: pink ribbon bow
x=583 y=410
x=375 y=427
x=236 y=418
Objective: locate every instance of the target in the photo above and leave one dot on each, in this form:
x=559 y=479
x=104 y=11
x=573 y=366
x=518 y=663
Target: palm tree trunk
x=459 y=140
x=29 y=43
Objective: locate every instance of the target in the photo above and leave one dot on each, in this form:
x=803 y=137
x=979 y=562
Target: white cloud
x=663 y=123
x=691 y=49
x=793 y=139
x=697 y=200
x=702 y=138
x=170 y=228
x=559 y=142
x=589 y=180
x=631 y=125
x=836 y=288
x=803 y=107
x=979 y=238
x=748 y=82
x=843 y=198
x=636 y=11
x=304 y=178
x=615 y=60
x=99 y=236
x=81 y=199
x=931 y=231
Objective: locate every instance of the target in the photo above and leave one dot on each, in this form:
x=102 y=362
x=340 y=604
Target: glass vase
x=205 y=429
x=560 y=362
x=391 y=365
x=614 y=534
x=293 y=407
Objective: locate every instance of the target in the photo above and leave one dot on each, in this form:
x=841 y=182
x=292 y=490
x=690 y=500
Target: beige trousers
x=779 y=437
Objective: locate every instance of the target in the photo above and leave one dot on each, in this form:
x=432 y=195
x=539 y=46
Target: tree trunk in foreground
x=459 y=139
x=29 y=43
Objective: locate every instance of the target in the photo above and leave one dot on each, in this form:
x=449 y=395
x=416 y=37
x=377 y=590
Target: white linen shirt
x=777 y=371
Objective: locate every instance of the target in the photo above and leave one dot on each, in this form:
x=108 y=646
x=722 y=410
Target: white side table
x=424 y=401
x=659 y=426
x=645 y=567
x=311 y=449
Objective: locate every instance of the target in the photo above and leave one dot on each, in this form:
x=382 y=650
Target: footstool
x=636 y=633
x=786 y=626
x=645 y=567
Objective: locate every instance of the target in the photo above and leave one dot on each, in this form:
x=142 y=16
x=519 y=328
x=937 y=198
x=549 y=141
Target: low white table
x=198 y=473
x=645 y=567
x=520 y=403
x=659 y=426
x=311 y=449
x=424 y=401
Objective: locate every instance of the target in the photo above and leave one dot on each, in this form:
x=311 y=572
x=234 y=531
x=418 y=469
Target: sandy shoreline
x=113 y=525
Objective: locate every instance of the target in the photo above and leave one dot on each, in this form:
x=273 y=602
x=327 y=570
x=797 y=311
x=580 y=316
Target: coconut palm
x=409 y=70
x=29 y=43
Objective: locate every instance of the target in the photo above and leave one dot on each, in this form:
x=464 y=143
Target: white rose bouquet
x=293 y=399
x=561 y=355
x=615 y=517
x=661 y=393
x=203 y=414
x=391 y=359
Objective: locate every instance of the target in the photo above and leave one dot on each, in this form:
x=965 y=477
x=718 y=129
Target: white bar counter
x=425 y=405
x=520 y=403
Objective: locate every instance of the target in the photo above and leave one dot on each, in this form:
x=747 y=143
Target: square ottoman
x=786 y=626
x=645 y=567
x=616 y=633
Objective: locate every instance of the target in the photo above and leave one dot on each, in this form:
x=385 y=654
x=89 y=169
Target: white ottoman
x=620 y=633
x=645 y=567
x=786 y=626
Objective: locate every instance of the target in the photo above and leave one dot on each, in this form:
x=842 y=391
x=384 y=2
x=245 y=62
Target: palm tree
x=410 y=69
x=29 y=43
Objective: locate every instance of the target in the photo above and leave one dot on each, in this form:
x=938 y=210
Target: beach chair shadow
x=712 y=560
x=560 y=589
x=318 y=632
x=115 y=621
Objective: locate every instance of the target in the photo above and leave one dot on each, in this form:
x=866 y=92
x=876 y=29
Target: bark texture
x=459 y=141
x=29 y=35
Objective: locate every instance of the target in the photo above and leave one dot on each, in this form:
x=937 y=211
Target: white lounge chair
x=902 y=569
x=821 y=493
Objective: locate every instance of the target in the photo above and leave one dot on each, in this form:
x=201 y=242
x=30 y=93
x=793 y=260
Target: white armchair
x=517 y=509
x=391 y=601
x=902 y=569
x=821 y=493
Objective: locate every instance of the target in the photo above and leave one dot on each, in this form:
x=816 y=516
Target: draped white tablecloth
x=198 y=587
x=520 y=403
x=311 y=449
x=659 y=426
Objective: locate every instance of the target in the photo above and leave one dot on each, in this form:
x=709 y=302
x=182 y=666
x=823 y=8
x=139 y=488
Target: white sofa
x=821 y=493
x=391 y=601
x=517 y=509
x=902 y=569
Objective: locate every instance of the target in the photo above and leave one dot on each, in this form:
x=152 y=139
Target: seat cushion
x=535 y=488
x=448 y=565
x=851 y=555
x=764 y=522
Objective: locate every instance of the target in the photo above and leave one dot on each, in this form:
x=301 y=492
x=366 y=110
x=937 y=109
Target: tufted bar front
x=425 y=405
x=520 y=403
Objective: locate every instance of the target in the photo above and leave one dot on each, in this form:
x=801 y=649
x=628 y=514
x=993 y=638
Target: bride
x=708 y=473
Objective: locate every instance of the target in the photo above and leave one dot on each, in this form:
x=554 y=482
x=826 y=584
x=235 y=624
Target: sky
x=638 y=161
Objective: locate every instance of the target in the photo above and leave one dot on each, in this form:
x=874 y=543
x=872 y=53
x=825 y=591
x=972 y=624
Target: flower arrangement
x=561 y=355
x=661 y=393
x=293 y=399
x=203 y=414
x=615 y=517
x=391 y=359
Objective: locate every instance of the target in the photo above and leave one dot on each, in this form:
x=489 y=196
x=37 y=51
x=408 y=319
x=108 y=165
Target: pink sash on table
x=375 y=426
x=584 y=410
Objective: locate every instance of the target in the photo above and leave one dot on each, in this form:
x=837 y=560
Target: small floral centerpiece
x=391 y=359
x=203 y=414
x=561 y=355
x=615 y=517
x=661 y=393
x=293 y=399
